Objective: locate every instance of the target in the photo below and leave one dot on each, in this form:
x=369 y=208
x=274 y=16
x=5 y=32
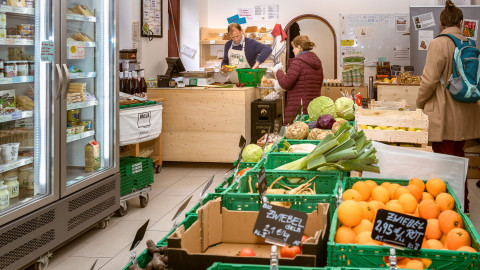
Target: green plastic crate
x=227 y=182
x=138 y=104
x=228 y=266
x=350 y=255
x=277 y=159
x=326 y=184
x=135 y=173
x=250 y=77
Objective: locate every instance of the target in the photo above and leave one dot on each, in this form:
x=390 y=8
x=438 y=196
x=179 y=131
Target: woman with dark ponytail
x=451 y=122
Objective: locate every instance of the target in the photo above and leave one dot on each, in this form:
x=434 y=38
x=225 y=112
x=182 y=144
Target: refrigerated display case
x=58 y=121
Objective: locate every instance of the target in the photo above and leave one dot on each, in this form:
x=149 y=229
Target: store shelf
x=81 y=18
x=15 y=116
x=76 y=137
x=18 y=79
x=16 y=41
x=16 y=164
x=82 y=75
x=17 y=10
x=79 y=43
x=84 y=104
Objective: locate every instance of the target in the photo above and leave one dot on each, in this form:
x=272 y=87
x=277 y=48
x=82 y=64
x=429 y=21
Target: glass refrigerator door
x=27 y=103
x=89 y=113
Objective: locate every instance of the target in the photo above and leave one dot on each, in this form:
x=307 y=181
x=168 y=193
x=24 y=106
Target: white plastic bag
x=140 y=124
x=403 y=163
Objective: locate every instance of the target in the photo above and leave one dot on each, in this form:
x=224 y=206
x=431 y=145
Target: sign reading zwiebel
x=280 y=225
x=399 y=229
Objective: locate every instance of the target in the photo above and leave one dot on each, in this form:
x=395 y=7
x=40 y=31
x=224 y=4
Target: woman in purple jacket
x=304 y=77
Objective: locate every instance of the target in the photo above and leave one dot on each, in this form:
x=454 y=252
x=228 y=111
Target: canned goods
x=87 y=124
x=22 y=68
x=73 y=115
x=10 y=69
x=73 y=123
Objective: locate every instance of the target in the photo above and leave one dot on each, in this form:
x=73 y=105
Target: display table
x=204 y=124
x=397 y=93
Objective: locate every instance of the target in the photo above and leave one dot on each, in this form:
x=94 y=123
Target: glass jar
x=31 y=180
x=22 y=68
x=31 y=68
x=4 y=196
x=73 y=115
x=10 y=173
x=10 y=69
x=23 y=176
x=13 y=186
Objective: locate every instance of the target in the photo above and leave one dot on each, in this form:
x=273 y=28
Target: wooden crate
x=408 y=119
x=389 y=105
x=398 y=92
x=335 y=92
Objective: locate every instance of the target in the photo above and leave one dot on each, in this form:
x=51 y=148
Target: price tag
x=217 y=70
x=269 y=35
x=201 y=69
x=9 y=41
x=139 y=235
x=209 y=183
x=180 y=210
x=262 y=182
x=221 y=34
x=399 y=229
x=299 y=112
x=280 y=225
x=268 y=42
x=212 y=41
x=409 y=68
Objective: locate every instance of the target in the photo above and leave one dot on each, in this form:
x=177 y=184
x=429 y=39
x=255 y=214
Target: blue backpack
x=464 y=83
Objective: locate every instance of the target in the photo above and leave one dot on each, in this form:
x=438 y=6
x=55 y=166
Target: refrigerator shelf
x=81 y=18
x=16 y=116
x=16 y=41
x=84 y=104
x=18 y=79
x=17 y=10
x=86 y=44
x=15 y=164
x=83 y=75
x=83 y=135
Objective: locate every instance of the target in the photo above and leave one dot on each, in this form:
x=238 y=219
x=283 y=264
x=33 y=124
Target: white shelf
x=17 y=10
x=79 y=43
x=18 y=79
x=76 y=137
x=16 y=41
x=84 y=104
x=15 y=164
x=81 y=18
x=83 y=75
x=16 y=116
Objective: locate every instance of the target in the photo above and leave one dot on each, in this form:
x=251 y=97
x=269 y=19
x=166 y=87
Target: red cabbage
x=312 y=124
x=325 y=121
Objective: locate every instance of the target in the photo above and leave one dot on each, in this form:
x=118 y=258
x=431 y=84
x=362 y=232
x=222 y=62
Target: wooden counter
x=204 y=125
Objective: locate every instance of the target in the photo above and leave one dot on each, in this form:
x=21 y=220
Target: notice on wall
x=401 y=23
x=470 y=28
x=266 y=12
x=188 y=51
x=400 y=53
x=47 y=51
x=423 y=21
x=247 y=13
x=424 y=39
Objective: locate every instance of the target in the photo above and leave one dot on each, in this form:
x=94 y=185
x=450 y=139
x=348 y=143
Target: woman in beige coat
x=451 y=122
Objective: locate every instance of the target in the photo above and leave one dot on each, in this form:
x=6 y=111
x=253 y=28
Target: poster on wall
x=266 y=12
x=151 y=18
x=423 y=21
x=470 y=28
x=401 y=23
x=424 y=39
x=245 y=12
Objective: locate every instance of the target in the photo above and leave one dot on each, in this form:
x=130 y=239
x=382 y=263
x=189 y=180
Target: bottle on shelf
x=134 y=83
x=127 y=82
x=121 y=87
x=143 y=84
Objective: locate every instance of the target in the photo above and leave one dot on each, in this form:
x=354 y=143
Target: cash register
x=175 y=66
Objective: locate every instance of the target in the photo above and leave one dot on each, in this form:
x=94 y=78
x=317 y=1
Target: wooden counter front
x=204 y=125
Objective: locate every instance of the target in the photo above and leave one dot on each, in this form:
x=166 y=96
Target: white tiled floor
x=175 y=183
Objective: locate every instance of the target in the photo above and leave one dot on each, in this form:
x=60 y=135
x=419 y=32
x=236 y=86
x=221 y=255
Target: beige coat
x=448 y=119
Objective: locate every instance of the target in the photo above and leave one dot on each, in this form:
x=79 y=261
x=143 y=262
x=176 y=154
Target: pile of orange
x=445 y=228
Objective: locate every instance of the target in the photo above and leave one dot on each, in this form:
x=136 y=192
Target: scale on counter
x=197 y=78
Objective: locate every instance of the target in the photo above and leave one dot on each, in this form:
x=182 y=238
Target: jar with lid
x=13 y=186
x=4 y=196
x=10 y=173
x=31 y=179
x=31 y=68
x=9 y=69
x=22 y=68
x=23 y=176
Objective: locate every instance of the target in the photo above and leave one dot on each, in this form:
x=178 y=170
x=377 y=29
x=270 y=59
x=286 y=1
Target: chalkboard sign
x=399 y=229
x=262 y=182
x=182 y=207
x=280 y=225
x=139 y=235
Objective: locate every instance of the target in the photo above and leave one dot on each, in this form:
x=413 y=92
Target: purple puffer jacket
x=303 y=81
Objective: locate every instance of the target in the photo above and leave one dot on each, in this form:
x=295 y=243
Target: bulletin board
x=151 y=16
x=376 y=35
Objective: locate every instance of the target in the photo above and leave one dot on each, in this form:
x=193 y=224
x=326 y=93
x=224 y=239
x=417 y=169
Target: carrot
x=250 y=183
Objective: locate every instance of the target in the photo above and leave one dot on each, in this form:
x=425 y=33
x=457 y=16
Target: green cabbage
x=252 y=153
x=344 y=108
x=269 y=146
x=320 y=106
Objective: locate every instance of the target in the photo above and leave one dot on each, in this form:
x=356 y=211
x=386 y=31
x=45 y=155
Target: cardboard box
x=219 y=234
x=473 y=167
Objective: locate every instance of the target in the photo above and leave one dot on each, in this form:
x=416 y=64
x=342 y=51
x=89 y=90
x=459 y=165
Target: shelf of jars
x=15 y=116
x=21 y=161
x=16 y=79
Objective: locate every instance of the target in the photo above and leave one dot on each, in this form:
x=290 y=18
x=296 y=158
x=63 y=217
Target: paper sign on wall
x=423 y=21
x=76 y=51
x=47 y=51
x=401 y=23
x=233 y=19
x=424 y=39
x=470 y=28
x=246 y=12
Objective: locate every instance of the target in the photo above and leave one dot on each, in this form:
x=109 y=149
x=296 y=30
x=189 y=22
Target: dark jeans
x=454 y=148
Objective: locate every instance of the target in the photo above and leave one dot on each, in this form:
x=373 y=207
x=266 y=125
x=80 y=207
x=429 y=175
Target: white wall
x=153 y=52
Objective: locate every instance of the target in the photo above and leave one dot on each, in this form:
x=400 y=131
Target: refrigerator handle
x=67 y=79
x=60 y=81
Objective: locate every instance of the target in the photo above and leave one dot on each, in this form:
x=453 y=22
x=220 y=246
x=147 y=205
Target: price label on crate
x=209 y=183
x=180 y=210
x=399 y=229
x=212 y=41
x=262 y=182
x=139 y=235
x=280 y=225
